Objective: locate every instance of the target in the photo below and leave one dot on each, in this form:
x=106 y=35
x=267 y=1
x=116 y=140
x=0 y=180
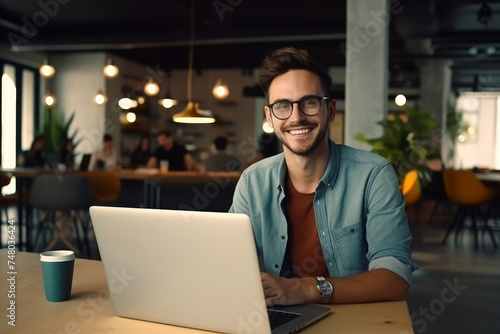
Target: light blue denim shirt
x=359 y=209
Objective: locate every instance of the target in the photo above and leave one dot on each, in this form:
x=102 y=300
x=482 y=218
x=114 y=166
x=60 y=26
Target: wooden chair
x=469 y=193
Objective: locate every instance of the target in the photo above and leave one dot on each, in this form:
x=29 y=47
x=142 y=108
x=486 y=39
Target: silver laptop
x=191 y=269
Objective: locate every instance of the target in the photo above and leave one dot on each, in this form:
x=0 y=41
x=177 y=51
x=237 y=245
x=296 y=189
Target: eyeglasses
x=309 y=105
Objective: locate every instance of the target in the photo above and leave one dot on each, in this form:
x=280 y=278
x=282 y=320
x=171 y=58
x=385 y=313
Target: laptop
x=84 y=164
x=189 y=268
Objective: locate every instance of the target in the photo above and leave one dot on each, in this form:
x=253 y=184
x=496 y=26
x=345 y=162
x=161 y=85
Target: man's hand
x=286 y=291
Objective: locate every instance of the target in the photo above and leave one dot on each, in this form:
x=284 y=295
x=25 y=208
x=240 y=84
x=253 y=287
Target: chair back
x=5 y=180
x=106 y=185
x=464 y=188
x=411 y=188
x=61 y=192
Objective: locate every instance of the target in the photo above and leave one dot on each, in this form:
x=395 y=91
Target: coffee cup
x=57 y=274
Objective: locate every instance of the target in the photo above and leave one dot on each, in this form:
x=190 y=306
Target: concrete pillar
x=367 y=53
x=435 y=88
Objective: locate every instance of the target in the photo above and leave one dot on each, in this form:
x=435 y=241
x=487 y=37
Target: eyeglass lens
x=309 y=105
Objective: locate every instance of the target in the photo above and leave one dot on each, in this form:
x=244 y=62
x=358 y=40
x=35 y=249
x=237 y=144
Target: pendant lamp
x=192 y=113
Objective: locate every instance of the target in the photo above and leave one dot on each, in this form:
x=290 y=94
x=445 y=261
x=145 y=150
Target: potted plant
x=406 y=143
x=55 y=132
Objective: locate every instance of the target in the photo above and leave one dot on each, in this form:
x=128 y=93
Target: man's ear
x=332 y=109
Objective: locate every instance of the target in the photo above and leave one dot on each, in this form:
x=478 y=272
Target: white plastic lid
x=57 y=256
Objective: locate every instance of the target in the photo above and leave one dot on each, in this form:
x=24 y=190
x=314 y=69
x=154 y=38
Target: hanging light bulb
x=151 y=88
x=267 y=128
x=400 y=100
x=100 y=98
x=167 y=102
x=49 y=100
x=110 y=70
x=220 y=90
x=131 y=117
x=46 y=70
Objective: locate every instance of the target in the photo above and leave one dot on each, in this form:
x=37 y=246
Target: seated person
x=329 y=220
x=142 y=153
x=221 y=160
x=67 y=154
x=105 y=157
x=177 y=156
x=35 y=156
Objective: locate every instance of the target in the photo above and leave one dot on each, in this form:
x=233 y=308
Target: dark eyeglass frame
x=320 y=99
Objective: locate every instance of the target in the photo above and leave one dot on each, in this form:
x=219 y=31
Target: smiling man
x=329 y=220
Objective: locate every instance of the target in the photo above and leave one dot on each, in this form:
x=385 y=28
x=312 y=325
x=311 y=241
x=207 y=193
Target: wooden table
x=491 y=180
x=90 y=311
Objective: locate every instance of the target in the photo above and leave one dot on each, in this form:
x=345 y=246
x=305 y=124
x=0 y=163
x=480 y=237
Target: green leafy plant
x=55 y=131
x=455 y=125
x=407 y=144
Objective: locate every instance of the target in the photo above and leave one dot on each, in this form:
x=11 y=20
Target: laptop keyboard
x=278 y=318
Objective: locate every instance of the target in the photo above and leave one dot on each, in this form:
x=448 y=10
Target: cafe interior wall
x=77 y=79
x=79 y=76
x=235 y=115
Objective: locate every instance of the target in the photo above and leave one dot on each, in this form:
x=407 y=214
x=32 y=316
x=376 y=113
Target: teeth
x=299 y=132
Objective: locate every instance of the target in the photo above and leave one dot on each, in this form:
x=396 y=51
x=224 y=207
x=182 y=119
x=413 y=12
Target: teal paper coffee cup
x=57 y=273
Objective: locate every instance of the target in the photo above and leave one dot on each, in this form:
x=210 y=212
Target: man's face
x=164 y=141
x=300 y=134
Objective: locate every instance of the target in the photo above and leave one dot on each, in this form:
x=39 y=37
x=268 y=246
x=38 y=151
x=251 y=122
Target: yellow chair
x=469 y=193
x=411 y=188
x=106 y=185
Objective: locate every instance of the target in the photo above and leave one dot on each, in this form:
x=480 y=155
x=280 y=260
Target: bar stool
x=465 y=189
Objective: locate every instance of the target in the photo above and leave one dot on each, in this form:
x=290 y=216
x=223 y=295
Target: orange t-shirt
x=304 y=248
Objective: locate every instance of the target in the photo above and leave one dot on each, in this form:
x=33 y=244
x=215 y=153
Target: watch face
x=325 y=287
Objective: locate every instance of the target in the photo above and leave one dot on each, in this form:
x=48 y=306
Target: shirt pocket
x=351 y=248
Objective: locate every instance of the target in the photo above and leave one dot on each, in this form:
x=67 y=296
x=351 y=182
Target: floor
x=456 y=289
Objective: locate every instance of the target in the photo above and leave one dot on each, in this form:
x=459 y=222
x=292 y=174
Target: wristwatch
x=325 y=288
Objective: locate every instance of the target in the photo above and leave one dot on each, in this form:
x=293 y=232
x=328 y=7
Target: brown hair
x=290 y=58
x=164 y=132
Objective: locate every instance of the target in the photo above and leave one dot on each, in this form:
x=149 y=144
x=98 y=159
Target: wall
x=236 y=112
x=78 y=78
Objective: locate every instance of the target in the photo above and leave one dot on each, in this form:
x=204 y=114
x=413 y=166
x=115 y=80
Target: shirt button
x=276 y=266
x=283 y=237
x=324 y=233
x=352 y=230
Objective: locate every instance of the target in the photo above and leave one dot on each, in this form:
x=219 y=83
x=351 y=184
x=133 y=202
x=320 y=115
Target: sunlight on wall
x=479 y=145
x=8 y=123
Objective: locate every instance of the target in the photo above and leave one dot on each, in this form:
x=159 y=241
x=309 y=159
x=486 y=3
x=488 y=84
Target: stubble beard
x=302 y=148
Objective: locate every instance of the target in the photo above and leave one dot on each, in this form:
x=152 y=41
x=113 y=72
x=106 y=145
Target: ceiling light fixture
x=46 y=70
x=220 y=90
x=100 y=98
x=151 y=88
x=400 y=100
x=110 y=70
x=192 y=113
x=168 y=101
x=49 y=100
